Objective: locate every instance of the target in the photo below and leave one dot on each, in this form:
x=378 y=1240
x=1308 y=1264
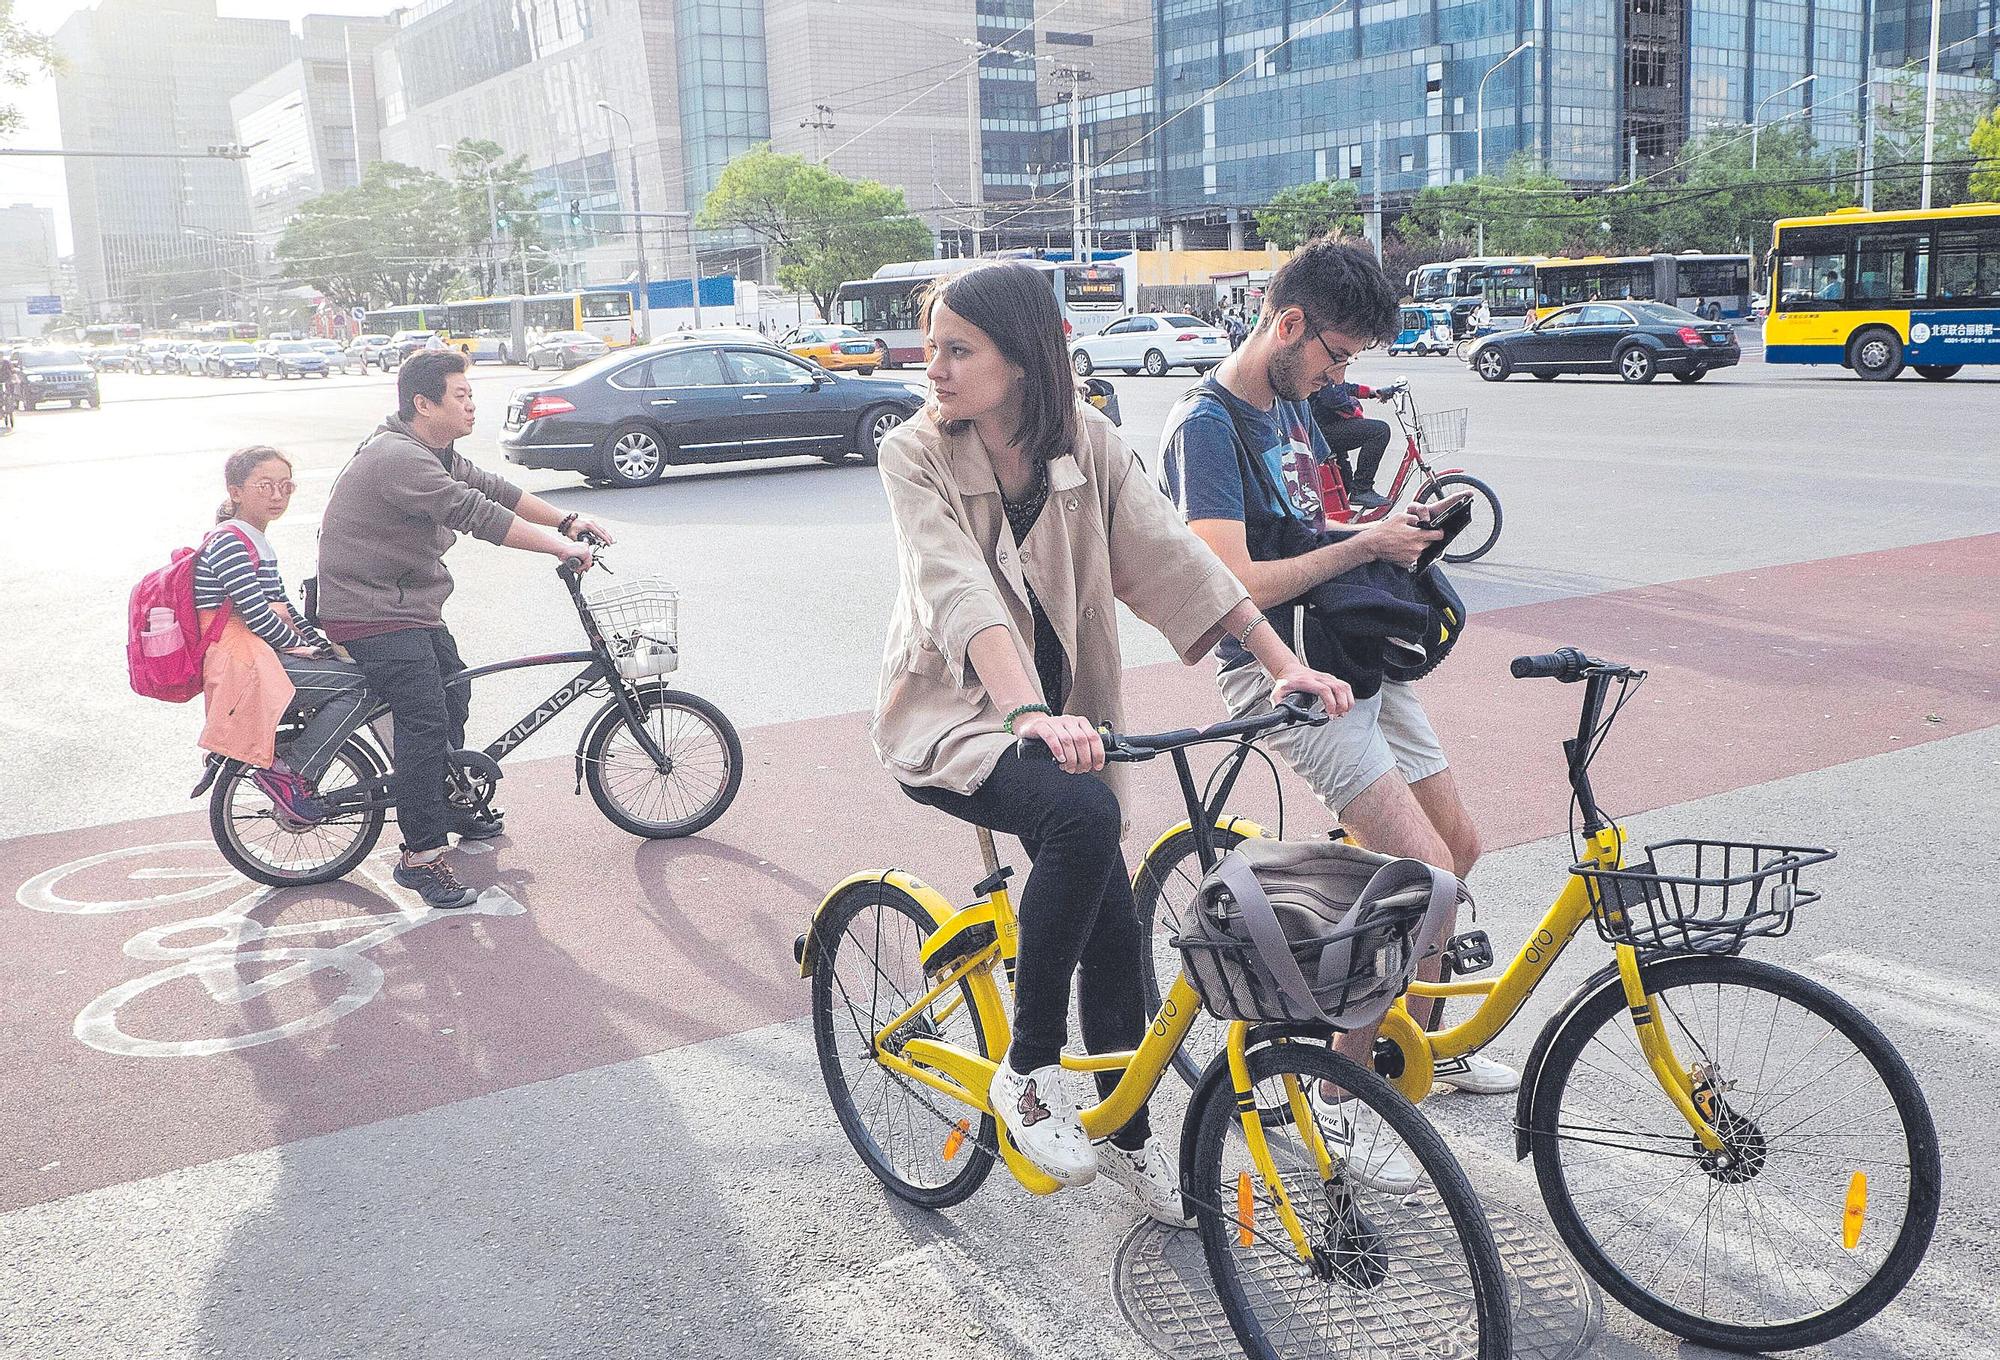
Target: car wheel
x=1693 y=375
x=633 y=456
x=534 y=362
x=27 y=405
x=1545 y=377
x=1876 y=354
x=876 y=422
x=1636 y=365
x=1937 y=372
x=503 y=356
x=93 y=402
x=1156 y=364
x=1080 y=363
x=1492 y=364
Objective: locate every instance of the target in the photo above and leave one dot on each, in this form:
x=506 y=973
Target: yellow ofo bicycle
x=1314 y=1249
x=1731 y=1150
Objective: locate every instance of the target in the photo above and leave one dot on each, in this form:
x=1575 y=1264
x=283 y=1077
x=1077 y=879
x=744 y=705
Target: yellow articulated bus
x=1876 y=291
x=1712 y=287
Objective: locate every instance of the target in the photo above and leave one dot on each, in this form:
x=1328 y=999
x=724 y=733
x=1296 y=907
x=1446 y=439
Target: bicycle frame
x=1501 y=998
x=1415 y=460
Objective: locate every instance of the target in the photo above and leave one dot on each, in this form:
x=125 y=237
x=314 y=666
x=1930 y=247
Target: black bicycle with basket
x=659 y=762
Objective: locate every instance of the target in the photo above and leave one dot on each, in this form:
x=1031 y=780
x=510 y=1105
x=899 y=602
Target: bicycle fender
x=1242 y=826
x=1531 y=1071
x=806 y=947
x=1213 y=1084
x=607 y=713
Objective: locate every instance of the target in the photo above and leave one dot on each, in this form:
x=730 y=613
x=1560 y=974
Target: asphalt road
x=592 y=1177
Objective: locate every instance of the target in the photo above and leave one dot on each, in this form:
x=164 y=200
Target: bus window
x=1969 y=265
x=1892 y=266
x=606 y=306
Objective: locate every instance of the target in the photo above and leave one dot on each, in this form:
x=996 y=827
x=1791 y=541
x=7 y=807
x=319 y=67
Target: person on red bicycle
x=1336 y=409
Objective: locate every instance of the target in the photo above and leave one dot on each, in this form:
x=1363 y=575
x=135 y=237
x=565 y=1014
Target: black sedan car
x=621 y=419
x=1635 y=340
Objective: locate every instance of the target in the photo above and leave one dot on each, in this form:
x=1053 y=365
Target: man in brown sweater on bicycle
x=395 y=510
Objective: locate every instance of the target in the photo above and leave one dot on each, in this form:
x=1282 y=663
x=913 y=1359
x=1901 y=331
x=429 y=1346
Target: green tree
x=497 y=227
x=25 y=56
x=397 y=237
x=1983 y=184
x=1318 y=208
x=826 y=228
x=1899 y=144
x=1526 y=211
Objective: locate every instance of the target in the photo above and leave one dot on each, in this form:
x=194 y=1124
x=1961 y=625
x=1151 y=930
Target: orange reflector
x=1856 y=1210
x=956 y=1139
x=1246 y=1209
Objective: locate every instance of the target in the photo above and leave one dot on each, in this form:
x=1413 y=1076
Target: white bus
x=1089 y=296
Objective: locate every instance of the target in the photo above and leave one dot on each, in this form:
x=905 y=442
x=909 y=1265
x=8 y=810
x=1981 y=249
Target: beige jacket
x=1107 y=534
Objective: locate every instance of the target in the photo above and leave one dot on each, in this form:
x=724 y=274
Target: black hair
x=1014 y=304
x=423 y=374
x=236 y=471
x=1338 y=286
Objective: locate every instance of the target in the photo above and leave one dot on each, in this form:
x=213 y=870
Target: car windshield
x=1660 y=311
x=842 y=333
x=238 y=349
x=572 y=337
x=1183 y=321
x=287 y=349
x=52 y=357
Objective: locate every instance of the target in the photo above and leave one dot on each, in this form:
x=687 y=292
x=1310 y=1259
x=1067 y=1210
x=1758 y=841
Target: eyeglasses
x=271 y=488
x=1333 y=356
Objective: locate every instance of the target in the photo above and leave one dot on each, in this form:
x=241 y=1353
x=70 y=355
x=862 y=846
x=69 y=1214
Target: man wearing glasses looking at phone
x=1379 y=768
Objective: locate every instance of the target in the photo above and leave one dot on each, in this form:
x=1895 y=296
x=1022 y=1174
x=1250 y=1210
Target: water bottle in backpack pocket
x=164 y=642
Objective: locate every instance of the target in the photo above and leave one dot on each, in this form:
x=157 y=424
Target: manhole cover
x=1162 y=1284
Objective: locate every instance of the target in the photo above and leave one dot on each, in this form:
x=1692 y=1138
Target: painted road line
x=1919 y=995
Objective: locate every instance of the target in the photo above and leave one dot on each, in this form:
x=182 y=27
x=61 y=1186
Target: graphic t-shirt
x=1202 y=474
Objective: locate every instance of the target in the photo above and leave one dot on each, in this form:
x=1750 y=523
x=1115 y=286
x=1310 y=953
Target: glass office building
x=1391 y=87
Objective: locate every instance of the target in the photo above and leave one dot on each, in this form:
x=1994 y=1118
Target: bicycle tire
x=612 y=793
x=919 y=1107
x=1167 y=878
x=1918 y=1134
x=1352 y=1217
x=362 y=765
x=1468 y=546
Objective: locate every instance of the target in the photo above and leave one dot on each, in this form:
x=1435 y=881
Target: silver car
x=565 y=349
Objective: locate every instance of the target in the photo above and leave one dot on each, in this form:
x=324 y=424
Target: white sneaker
x=1148 y=1174
x=1373 y=1149
x=1041 y=1120
x=1480 y=1076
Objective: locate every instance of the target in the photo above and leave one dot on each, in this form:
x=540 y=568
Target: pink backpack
x=164 y=643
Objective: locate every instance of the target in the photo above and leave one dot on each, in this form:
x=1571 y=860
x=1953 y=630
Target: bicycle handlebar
x=1291 y=711
x=565 y=567
x=1566 y=664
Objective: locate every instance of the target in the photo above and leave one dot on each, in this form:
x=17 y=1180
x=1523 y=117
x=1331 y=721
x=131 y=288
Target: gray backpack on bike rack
x=1312 y=932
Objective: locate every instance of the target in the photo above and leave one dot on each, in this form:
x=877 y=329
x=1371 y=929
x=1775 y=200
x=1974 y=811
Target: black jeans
x=1371 y=437
x=406 y=671
x=1076 y=908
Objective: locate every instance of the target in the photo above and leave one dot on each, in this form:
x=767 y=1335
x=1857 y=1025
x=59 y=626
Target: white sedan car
x=1155 y=342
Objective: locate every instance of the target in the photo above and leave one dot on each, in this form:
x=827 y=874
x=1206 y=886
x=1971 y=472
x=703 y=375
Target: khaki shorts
x=1385 y=732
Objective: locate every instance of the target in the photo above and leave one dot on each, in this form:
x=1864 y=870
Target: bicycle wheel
x=1744 y=1252
x=1409 y=1269
x=704 y=766
x=1478 y=537
x=262 y=846
x=917 y=1141
x=1164 y=889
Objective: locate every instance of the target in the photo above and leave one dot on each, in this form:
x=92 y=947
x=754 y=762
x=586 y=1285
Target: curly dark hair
x=1336 y=285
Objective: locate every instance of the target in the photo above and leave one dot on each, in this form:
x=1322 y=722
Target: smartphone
x=1448 y=517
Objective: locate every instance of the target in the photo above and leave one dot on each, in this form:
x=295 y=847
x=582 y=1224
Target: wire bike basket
x=1442 y=431
x=640 y=624
x=1707 y=897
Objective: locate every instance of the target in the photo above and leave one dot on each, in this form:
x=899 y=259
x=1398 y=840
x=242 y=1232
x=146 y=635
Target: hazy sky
x=35 y=179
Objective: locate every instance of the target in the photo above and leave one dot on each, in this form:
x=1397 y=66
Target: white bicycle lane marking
x=216 y=949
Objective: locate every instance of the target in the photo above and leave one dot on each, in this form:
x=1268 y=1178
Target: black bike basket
x=1705 y=897
x=1311 y=932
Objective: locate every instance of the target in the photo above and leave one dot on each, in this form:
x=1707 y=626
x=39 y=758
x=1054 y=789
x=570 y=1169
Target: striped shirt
x=224 y=571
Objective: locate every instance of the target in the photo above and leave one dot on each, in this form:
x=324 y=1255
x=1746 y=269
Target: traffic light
x=576 y=212
x=229 y=151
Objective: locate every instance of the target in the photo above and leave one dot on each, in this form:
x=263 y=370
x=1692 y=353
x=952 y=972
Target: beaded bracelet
x=1008 y=725
x=567 y=520
x=1243 y=638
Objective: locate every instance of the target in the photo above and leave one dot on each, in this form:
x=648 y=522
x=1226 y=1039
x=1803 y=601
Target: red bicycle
x=1425 y=439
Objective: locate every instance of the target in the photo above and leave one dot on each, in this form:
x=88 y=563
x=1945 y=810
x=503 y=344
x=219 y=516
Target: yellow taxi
x=836 y=347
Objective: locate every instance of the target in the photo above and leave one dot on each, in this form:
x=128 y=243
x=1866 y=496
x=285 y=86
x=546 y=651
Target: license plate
x=1211 y=340
x=1718 y=339
x=857 y=349
x=514 y=416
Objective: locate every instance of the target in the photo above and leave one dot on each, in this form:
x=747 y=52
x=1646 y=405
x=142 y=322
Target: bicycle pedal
x=1470 y=952
x=969 y=941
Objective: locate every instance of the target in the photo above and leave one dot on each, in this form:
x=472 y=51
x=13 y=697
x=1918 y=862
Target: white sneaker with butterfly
x=1042 y=1121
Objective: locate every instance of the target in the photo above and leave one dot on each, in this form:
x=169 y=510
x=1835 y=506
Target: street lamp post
x=1930 y=102
x=1479 y=118
x=639 y=228
x=1756 y=120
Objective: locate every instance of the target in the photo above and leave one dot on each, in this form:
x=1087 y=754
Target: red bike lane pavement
x=163 y=1012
